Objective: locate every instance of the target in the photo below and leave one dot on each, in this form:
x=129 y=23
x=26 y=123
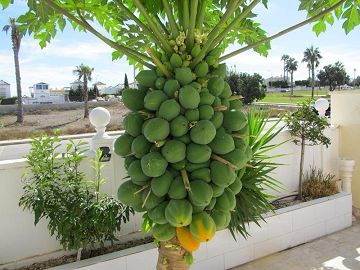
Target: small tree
x=84 y=72
x=285 y=58
x=306 y=127
x=333 y=75
x=251 y=87
x=126 y=82
x=291 y=66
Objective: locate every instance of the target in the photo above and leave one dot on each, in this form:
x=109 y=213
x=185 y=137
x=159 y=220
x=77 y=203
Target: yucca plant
x=253 y=200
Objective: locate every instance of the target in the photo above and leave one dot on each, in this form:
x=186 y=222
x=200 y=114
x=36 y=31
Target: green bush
x=79 y=214
x=8 y=101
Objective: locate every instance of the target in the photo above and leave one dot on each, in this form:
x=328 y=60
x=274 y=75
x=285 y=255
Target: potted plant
x=306 y=127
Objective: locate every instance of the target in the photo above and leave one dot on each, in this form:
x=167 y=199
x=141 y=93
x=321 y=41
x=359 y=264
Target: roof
x=3 y=82
x=99 y=83
x=41 y=83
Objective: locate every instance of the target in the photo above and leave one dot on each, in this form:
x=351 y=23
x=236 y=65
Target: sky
x=55 y=63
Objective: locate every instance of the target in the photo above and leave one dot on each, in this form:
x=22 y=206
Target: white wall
x=20 y=239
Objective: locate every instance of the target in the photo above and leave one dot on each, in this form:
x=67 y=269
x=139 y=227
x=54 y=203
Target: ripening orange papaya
x=202 y=227
x=186 y=240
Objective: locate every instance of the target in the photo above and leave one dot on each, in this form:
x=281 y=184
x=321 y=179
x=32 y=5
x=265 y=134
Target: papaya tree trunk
x=171 y=256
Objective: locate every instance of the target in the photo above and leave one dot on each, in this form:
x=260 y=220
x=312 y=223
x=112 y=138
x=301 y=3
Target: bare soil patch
x=69 y=122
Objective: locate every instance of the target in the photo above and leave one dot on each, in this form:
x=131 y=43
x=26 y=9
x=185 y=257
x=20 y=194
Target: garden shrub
x=78 y=213
x=318 y=184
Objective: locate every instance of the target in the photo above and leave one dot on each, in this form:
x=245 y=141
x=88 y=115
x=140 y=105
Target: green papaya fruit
x=128 y=195
x=128 y=160
x=206 y=98
x=179 y=213
x=153 y=100
x=189 y=98
x=201 y=193
x=175 y=60
x=196 y=49
x=146 y=77
x=133 y=99
x=122 y=145
x=206 y=112
x=202 y=69
x=190 y=167
x=159 y=83
x=201 y=174
x=150 y=200
x=221 y=174
x=217 y=190
x=156 y=129
x=236 y=186
x=132 y=123
x=227 y=201
x=234 y=120
x=223 y=143
x=160 y=185
x=177 y=189
x=164 y=232
x=216 y=86
x=198 y=153
x=140 y=146
x=220 y=71
x=203 y=132
x=183 y=75
x=192 y=115
x=174 y=151
x=217 y=119
x=153 y=164
x=235 y=105
x=237 y=157
x=179 y=126
x=136 y=174
x=169 y=109
x=170 y=87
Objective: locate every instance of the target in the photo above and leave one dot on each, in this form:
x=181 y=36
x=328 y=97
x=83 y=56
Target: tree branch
x=283 y=32
x=153 y=26
x=109 y=42
x=237 y=19
x=201 y=14
x=138 y=22
x=192 y=24
x=163 y=27
x=173 y=26
x=212 y=35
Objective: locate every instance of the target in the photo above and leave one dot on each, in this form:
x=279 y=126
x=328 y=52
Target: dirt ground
x=68 y=122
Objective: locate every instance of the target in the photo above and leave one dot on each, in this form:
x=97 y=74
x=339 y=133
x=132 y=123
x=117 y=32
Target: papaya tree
x=185 y=145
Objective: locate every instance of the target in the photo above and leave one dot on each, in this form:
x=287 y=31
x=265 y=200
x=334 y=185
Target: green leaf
x=319 y=27
x=5 y=3
x=352 y=16
x=189 y=259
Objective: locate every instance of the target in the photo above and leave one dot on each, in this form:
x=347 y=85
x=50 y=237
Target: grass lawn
x=299 y=96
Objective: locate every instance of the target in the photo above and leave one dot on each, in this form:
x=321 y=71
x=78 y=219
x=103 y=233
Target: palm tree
x=84 y=72
x=311 y=57
x=291 y=66
x=16 y=36
x=284 y=58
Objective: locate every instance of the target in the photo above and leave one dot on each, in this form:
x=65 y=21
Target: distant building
x=42 y=94
x=114 y=90
x=4 y=89
x=76 y=84
x=100 y=86
x=41 y=90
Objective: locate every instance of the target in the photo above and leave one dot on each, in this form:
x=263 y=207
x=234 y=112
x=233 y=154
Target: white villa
x=4 y=89
x=43 y=95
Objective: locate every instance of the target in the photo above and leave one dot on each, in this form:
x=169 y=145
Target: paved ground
x=339 y=251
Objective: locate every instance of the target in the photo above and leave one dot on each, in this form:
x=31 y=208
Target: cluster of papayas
x=184 y=146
